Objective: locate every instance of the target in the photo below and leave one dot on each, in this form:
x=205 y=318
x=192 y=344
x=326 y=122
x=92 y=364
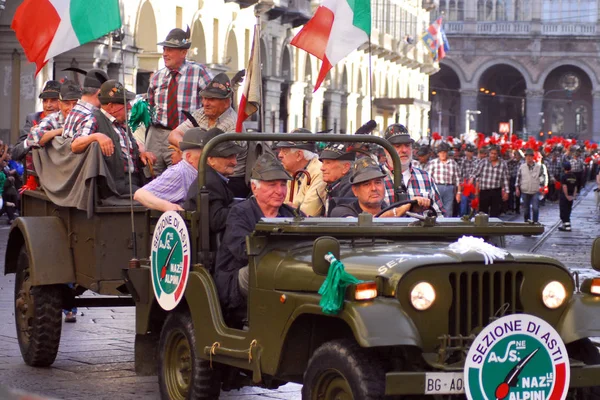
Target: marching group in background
x=186 y=108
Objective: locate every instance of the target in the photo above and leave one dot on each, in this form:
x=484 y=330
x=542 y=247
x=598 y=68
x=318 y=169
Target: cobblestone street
x=95 y=359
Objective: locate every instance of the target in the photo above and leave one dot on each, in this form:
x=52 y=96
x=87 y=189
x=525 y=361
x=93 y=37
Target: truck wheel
x=584 y=350
x=181 y=373
x=342 y=370
x=38 y=316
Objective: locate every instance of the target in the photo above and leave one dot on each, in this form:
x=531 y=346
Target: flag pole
x=370 y=79
x=129 y=143
x=261 y=110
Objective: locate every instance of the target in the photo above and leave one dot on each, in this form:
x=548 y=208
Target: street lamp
x=468 y=115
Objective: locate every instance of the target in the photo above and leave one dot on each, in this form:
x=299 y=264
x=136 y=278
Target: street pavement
x=95 y=358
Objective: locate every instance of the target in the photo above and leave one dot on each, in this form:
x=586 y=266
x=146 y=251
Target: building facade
x=533 y=62
x=222 y=34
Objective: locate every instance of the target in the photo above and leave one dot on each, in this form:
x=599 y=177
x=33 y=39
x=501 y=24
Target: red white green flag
x=338 y=28
x=47 y=28
x=250 y=101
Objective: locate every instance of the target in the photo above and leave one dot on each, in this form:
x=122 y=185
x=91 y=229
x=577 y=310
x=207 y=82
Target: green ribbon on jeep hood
x=333 y=289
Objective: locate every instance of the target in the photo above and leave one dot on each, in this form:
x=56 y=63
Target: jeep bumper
x=405 y=383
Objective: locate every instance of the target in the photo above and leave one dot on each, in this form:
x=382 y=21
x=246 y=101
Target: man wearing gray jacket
x=531 y=176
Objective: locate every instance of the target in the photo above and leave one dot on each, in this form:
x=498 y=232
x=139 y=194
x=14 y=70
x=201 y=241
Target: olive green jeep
x=406 y=330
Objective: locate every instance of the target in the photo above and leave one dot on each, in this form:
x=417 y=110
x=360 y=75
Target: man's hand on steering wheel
x=396 y=209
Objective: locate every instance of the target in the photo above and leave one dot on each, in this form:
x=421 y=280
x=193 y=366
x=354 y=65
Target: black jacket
x=232 y=256
x=350 y=210
x=19 y=150
x=220 y=199
x=339 y=192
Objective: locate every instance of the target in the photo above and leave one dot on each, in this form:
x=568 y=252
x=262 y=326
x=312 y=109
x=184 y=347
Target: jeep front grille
x=479 y=297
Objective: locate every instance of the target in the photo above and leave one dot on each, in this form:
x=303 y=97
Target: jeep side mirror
x=322 y=246
x=596 y=254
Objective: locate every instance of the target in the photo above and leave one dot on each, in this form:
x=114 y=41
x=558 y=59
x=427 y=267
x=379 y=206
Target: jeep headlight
x=554 y=294
x=422 y=296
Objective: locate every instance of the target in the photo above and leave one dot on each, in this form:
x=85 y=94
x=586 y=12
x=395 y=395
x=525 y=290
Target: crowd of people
x=290 y=178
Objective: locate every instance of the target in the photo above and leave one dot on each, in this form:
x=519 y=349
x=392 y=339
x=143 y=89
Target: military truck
x=405 y=328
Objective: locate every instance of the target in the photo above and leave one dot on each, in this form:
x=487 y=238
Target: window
x=581 y=119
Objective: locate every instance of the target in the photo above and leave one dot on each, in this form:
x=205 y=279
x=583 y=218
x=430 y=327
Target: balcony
x=294 y=12
x=520 y=28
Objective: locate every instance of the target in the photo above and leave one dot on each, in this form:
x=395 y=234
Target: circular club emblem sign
x=517 y=357
x=170 y=260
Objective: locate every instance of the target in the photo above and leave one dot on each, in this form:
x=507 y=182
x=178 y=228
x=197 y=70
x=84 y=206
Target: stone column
x=335 y=106
x=316 y=110
x=534 y=103
x=351 y=109
x=296 y=105
x=595 y=115
x=468 y=101
x=272 y=93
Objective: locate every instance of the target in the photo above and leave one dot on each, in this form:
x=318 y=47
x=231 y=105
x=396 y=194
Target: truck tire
x=38 y=316
x=182 y=374
x=341 y=369
x=584 y=350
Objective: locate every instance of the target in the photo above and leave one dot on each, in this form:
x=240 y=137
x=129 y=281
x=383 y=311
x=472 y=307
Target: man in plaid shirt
x=181 y=81
x=417 y=182
x=492 y=183
x=444 y=173
x=107 y=127
x=577 y=166
x=554 y=166
x=467 y=166
x=52 y=125
x=87 y=104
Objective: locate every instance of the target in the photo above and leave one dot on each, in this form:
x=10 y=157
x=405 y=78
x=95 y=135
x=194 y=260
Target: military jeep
x=412 y=323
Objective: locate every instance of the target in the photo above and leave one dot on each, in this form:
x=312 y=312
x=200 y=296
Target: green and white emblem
x=170 y=260
x=517 y=357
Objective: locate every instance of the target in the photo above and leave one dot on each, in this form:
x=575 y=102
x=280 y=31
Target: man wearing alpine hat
x=268 y=182
x=336 y=162
x=107 y=127
x=297 y=156
x=49 y=97
x=52 y=125
x=368 y=186
x=216 y=112
x=88 y=103
x=173 y=89
x=418 y=183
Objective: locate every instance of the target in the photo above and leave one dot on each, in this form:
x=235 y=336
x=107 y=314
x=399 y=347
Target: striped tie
x=172 y=112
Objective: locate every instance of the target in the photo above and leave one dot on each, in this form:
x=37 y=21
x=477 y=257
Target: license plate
x=444 y=383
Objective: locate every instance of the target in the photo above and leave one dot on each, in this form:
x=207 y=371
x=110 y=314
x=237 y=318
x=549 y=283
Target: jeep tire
x=341 y=369
x=38 y=316
x=182 y=374
x=584 y=350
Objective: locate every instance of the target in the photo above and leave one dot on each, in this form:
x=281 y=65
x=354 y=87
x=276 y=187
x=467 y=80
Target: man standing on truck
x=417 y=182
x=49 y=97
x=107 y=127
x=269 y=188
x=173 y=89
x=336 y=161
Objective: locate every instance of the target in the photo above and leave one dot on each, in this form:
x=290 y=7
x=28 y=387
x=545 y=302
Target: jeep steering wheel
x=396 y=204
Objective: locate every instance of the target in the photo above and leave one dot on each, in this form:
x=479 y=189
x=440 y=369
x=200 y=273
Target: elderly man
x=368 y=186
x=216 y=112
x=269 y=187
x=531 y=176
x=336 y=161
x=301 y=156
x=107 y=127
x=88 y=103
x=445 y=174
x=173 y=89
x=52 y=125
x=417 y=182
x=49 y=97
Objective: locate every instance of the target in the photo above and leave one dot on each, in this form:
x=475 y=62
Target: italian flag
x=47 y=28
x=338 y=28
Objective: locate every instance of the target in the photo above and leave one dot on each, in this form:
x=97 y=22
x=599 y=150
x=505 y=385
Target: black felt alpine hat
x=51 y=90
x=69 y=90
x=269 y=168
x=218 y=88
x=364 y=169
x=113 y=91
x=177 y=39
x=337 y=151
